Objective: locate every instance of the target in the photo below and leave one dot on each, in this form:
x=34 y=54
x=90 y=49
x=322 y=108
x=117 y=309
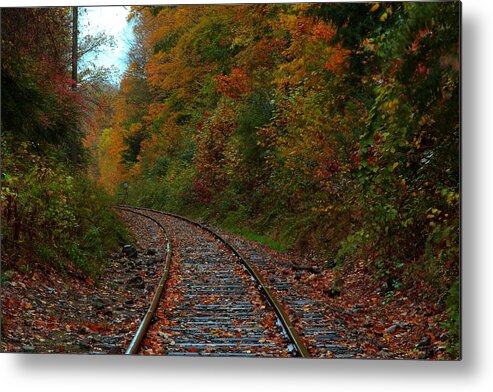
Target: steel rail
x=283 y=317
x=144 y=324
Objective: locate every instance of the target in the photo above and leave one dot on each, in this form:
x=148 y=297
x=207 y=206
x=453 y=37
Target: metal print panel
x=254 y=180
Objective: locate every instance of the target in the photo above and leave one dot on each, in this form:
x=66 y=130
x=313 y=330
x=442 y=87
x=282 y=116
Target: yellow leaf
x=395 y=165
x=375 y=7
x=384 y=17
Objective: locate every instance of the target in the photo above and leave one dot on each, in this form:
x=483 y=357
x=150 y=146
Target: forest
x=331 y=131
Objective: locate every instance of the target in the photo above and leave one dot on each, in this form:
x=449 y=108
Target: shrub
x=52 y=217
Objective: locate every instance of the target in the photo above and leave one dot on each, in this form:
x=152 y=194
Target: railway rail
x=218 y=305
x=317 y=320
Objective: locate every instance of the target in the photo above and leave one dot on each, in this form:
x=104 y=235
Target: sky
x=112 y=21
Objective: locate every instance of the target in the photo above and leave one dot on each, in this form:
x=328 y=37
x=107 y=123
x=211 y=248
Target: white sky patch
x=113 y=22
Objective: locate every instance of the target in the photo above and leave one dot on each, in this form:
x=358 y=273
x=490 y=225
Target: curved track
x=215 y=303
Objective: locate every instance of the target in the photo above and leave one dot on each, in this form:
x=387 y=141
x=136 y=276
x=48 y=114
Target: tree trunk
x=75 y=32
x=75 y=15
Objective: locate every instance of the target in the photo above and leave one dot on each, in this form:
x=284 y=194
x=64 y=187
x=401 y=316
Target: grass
x=262 y=239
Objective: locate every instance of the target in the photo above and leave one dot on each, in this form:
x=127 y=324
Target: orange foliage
x=109 y=159
x=234 y=85
x=310 y=49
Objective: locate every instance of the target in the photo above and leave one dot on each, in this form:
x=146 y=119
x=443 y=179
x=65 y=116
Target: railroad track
x=215 y=303
x=321 y=330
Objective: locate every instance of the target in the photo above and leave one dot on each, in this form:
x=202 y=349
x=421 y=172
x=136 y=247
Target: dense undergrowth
x=51 y=216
